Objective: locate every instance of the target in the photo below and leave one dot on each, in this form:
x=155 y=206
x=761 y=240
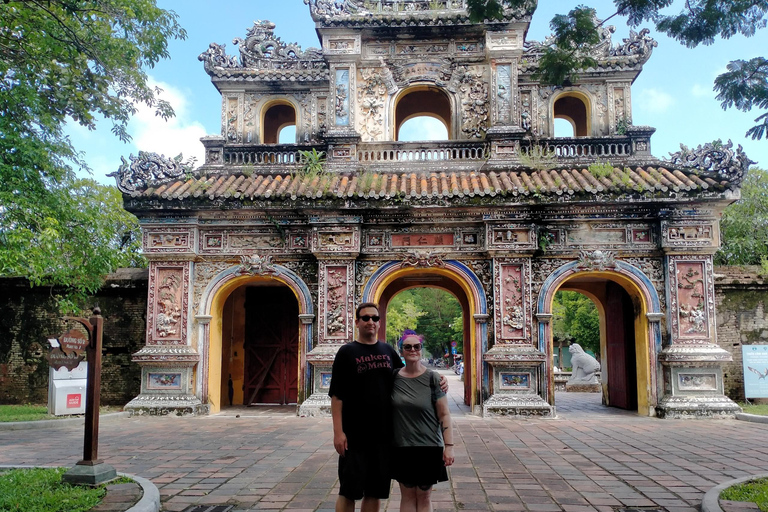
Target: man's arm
x=339 y=437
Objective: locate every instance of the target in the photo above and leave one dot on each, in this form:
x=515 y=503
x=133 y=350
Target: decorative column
x=519 y=378
x=337 y=248
x=692 y=360
x=167 y=360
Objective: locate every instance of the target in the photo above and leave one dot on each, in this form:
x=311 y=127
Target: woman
x=423 y=435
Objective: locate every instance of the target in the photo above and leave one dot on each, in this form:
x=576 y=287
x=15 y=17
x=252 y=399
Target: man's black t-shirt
x=362 y=380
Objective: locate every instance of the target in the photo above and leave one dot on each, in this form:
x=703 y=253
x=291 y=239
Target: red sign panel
x=73 y=341
x=422 y=239
x=73 y=401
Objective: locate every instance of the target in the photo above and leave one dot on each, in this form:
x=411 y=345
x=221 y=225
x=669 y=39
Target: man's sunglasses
x=415 y=347
x=365 y=318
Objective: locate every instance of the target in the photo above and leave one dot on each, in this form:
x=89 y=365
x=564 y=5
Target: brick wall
x=30 y=314
x=741 y=296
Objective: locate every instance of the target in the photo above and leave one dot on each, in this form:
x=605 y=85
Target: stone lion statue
x=585 y=367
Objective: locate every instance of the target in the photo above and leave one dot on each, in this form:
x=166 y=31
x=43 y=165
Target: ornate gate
x=271 y=346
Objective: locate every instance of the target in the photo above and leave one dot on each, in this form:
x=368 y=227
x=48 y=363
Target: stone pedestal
x=693 y=379
x=166 y=382
x=579 y=387
x=319 y=403
x=517 y=382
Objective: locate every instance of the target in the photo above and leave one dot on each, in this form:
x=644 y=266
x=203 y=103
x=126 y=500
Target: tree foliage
x=743 y=86
x=744 y=225
x=432 y=312
x=575 y=320
x=68 y=61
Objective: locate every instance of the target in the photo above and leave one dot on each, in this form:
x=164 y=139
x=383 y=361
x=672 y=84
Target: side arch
x=209 y=325
x=475 y=294
x=647 y=328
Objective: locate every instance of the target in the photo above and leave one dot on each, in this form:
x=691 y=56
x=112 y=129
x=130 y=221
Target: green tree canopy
x=575 y=320
x=744 y=225
x=743 y=86
x=68 y=61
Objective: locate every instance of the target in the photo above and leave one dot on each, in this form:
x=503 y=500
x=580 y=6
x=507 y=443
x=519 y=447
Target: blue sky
x=673 y=93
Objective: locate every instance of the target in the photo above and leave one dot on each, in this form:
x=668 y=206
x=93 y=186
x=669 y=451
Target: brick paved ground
x=591 y=458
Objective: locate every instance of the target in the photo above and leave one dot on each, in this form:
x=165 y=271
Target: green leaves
x=576 y=320
x=574 y=36
x=63 y=61
x=744 y=224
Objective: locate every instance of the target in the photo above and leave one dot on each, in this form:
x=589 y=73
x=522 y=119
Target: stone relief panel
x=504 y=86
x=322 y=113
x=341 y=45
x=689 y=234
x=371 y=100
x=161 y=241
x=168 y=303
x=504 y=40
x=512 y=287
x=511 y=236
x=336 y=301
x=527 y=120
x=250 y=118
x=240 y=241
x=336 y=240
x=611 y=235
x=379 y=241
x=599 y=97
x=692 y=299
x=343 y=92
x=474 y=102
x=697 y=381
x=231 y=128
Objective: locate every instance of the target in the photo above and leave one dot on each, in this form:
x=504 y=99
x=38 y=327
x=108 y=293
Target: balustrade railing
x=580 y=148
x=283 y=154
x=406 y=152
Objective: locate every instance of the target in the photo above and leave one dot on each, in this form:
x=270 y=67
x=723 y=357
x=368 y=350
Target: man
x=361 y=388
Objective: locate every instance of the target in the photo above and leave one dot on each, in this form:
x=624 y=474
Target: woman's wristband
x=448 y=444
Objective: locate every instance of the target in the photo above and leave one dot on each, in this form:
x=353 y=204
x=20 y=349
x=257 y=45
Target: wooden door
x=271 y=346
x=620 y=348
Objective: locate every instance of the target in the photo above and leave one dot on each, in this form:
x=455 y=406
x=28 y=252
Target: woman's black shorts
x=419 y=465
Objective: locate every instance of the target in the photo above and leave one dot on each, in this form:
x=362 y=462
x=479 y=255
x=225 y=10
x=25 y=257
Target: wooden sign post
x=90 y=470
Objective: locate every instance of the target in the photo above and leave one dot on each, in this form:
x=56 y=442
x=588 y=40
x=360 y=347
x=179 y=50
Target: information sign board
x=755 y=361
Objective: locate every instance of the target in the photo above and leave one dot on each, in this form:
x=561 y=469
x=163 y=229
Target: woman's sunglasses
x=412 y=347
x=365 y=318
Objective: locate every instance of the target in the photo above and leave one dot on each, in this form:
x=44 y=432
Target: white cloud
x=653 y=100
x=701 y=91
x=170 y=137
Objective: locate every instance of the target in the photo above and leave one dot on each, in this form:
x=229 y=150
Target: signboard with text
x=755 y=361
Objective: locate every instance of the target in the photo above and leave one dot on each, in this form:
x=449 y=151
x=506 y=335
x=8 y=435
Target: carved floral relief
x=504 y=93
x=474 y=103
x=231 y=127
x=168 y=303
x=371 y=99
x=692 y=298
x=335 y=301
x=513 y=292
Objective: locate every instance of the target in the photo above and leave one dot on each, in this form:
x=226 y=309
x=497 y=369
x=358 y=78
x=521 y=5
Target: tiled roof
x=550 y=185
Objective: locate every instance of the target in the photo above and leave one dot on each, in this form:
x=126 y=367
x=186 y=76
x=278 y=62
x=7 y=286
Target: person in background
x=422 y=430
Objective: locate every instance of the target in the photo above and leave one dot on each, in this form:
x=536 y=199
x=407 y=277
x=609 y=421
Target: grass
x=761 y=409
x=41 y=490
x=755 y=491
x=37 y=412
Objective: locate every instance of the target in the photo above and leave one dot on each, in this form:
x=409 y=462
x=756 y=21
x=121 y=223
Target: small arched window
x=571 y=108
x=277 y=119
x=423 y=113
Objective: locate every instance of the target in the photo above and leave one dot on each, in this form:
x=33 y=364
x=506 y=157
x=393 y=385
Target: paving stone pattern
x=590 y=459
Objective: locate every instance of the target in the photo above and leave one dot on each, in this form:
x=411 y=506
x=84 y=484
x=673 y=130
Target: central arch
x=210 y=324
x=645 y=329
x=462 y=282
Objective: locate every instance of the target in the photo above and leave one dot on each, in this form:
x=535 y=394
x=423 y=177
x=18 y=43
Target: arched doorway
x=260 y=345
x=573 y=107
x=461 y=282
x=630 y=337
x=254 y=323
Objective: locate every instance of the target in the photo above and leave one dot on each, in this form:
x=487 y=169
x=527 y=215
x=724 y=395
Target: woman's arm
x=446 y=426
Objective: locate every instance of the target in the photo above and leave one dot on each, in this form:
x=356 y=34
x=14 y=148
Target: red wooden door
x=271 y=346
x=620 y=348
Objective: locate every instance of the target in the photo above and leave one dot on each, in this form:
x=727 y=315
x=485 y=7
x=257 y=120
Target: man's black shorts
x=365 y=473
